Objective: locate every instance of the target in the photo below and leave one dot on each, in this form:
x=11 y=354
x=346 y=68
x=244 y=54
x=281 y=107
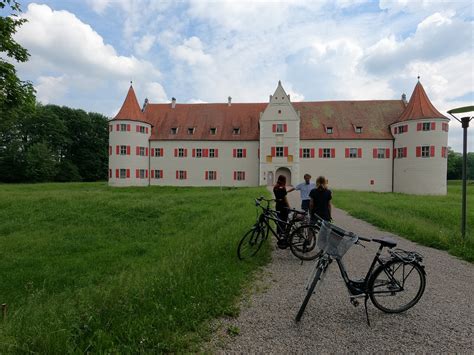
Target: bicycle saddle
x=386 y=242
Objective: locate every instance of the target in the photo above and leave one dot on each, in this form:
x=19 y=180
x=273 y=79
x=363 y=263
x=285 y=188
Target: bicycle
x=253 y=240
x=393 y=284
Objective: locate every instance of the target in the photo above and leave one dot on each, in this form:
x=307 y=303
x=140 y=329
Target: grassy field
x=429 y=220
x=87 y=268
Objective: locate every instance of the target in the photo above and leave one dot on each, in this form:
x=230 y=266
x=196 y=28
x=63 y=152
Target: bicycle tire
x=251 y=243
x=309 y=293
x=303 y=242
x=397 y=286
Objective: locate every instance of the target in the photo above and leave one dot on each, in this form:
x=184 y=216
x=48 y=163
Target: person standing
x=304 y=188
x=282 y=205
x=320 y=199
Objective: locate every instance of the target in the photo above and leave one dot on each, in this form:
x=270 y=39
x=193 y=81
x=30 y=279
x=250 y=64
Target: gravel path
x=441 y=322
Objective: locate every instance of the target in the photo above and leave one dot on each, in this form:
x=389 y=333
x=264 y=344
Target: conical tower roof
x=130 y=109
x=419 y=106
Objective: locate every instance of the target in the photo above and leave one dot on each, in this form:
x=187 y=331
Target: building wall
x=421 y=175
x=224 y=165
x=364 y=173
x=132 y=161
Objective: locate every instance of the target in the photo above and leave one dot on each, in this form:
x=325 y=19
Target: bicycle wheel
x=397 y=286
x=310 y=290
x=251 y=242
x=303 y=242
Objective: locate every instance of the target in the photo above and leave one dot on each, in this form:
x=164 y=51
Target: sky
x=84 y=53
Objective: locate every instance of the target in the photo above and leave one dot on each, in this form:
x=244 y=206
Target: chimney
x=289 y=97
x=404 y=98
x=270 y=98
x=144 y=104
x=173 y=102
x=229 y=101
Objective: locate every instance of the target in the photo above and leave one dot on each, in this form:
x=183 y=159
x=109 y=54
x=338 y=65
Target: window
x=141 y=129
x=141 y=151
x=157 y=152
x=279 y=152
x=280 y=128
x=236 y=131
x=329 y=130
x=306 y=153
x=326 y=153
x=123 y=150
x=239 y=153
x=352 y=152
x=111 y=128
x=358 y=129
x=123 y=127
x=181 y=152
x=239 y=175
x=426 y=126
x=279 y=112
x=445 y=127
x=123 y=173
x=181 y=174
x=444 y=152
x=213 y=131
x=141 y=173
x=381 y=153
x=211 y=175
x=157 y=174
x=213 y=153
x=174 y=130
x=425 y=151
x=190 y=131
x=401 y=152
x=198 y=153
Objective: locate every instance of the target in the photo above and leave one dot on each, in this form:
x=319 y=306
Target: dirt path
x=441 y=322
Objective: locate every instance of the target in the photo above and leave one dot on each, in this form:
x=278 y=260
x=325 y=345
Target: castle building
x=376 y=145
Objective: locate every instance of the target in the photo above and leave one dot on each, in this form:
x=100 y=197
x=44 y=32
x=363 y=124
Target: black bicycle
x=253 y=240
x=394 y=284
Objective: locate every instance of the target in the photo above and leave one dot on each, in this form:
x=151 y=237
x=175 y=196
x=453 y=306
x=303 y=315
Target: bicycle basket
x=332 y=243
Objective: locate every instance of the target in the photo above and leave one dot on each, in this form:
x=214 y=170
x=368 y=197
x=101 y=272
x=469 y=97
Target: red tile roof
x=203 y=117
x=130 y=108
x=375 y=118
x=419 y=106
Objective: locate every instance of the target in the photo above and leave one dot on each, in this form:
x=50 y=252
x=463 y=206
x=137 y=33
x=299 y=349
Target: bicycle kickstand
x=366 y=310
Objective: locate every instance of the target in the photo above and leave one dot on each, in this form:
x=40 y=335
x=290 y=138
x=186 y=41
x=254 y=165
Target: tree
x=454 y=165
x=40 y=163
x=13 y=91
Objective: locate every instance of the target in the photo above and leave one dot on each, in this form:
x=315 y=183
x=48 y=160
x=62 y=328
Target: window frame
x=358 y=129
x=426 y=126
x=329 y=130
x=353 y=153
x=306 y=153
x=425 y=151
x=279 y=152
x=122 y=172
x=181 y=153
x=381 y=153
x=174 y=130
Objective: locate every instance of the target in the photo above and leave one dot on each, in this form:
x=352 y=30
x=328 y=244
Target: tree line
x=455 y=165
x=43 y=143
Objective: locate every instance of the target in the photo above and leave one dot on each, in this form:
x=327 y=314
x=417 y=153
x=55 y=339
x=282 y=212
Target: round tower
x=420 y=147
x=129 y=149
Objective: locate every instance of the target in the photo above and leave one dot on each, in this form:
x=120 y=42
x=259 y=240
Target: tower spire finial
x=131 y=82
x=418 y=77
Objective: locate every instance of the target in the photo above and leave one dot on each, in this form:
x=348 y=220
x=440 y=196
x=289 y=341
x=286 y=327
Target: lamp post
x=465 y=124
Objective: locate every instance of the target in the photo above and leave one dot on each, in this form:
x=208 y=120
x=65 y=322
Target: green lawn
x=430 y=220
x=88 y=268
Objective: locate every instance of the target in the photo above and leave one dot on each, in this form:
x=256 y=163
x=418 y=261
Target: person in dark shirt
x=279 y=190
x=320 y=203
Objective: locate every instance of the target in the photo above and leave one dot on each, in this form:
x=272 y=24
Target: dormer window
x=358 y=129
x=191 y=131
x=236 y=131
x=329 y=130
x=213 y=131
x=174 y=130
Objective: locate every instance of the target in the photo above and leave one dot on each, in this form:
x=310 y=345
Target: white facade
x=409 y=160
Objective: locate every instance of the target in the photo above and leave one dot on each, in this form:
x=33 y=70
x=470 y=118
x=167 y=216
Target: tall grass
x=434 y=221
x=87 y=268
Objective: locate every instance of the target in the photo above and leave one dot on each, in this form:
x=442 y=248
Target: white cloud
x=50 y=88
x=438 y=36
x=155 y=92
x=191 y=51
x=65 y=42
x=99 y=6
x=144 y=45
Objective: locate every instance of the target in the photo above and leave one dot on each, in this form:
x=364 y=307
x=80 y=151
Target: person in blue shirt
x=304 y=188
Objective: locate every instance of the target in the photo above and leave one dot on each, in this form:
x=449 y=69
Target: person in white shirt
x=304 y=188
